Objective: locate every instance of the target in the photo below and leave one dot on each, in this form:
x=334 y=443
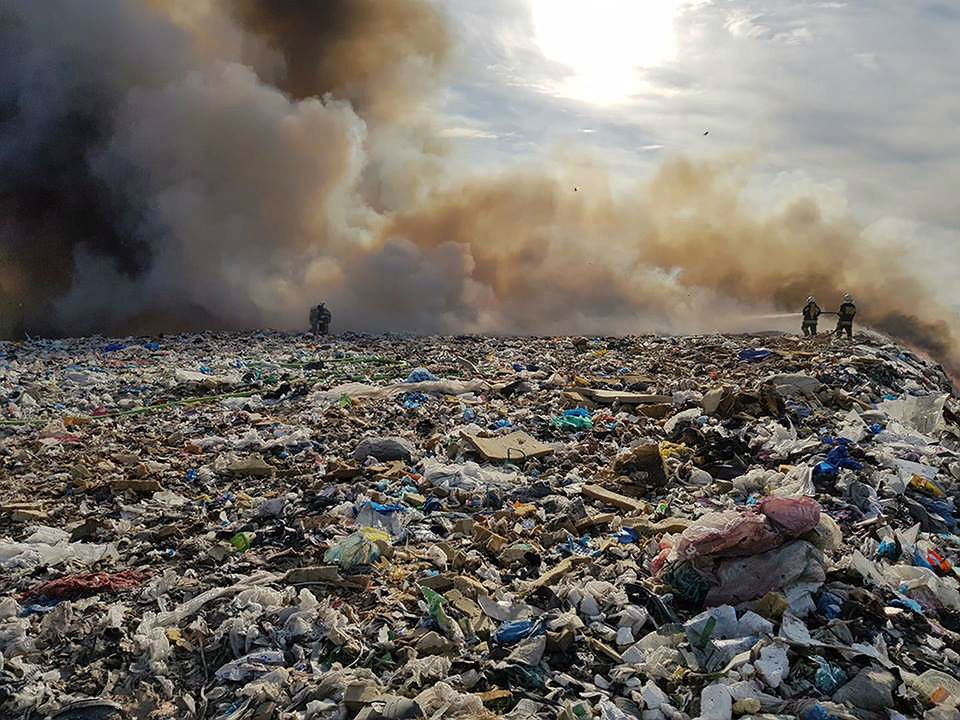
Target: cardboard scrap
x=252 y=465
x=556 y=572
x=488 y=697
x=318 y=574
x=644 y=464
x=441 y=583
x=342 y=470
x=139 y=486
x=608 y=497
x=488 y=538
x=672 y=525
x=515 y=446
x=326 y=575
x=604 y=649
x=656 y=412
x=622 y=396
x=593 y=521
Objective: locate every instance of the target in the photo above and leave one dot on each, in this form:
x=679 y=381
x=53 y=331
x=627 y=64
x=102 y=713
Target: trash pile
x=258 y=526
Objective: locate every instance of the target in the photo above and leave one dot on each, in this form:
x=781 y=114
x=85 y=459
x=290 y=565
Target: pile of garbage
x=266 y=525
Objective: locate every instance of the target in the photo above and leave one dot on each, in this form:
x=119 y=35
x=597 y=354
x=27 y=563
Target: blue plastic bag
x=902 y=601
x=513 y=631
x=817 y=712
x=940 y=508
x=838 y=457
x=829 y=605
x=579 y=547
x=887 y=549
x=420 y=374
x=412 y=401
x=575 y=419
x=754 y=355
x=828 y=677
x=626 y=536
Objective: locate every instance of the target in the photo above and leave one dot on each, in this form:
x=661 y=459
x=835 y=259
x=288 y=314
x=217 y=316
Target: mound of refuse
x=267 y=525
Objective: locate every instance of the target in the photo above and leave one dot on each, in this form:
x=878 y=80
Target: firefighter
x=845 y=316
x=811 y=313
x=320 y=319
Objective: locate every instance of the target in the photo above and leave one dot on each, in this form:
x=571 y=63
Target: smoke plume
x=380 y=56
x=226 y=163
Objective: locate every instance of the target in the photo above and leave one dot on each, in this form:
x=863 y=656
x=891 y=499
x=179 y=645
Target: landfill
x=249 y=526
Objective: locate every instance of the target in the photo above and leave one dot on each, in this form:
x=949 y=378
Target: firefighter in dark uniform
x=845 y=316
x=320 y=319
x=811 y=314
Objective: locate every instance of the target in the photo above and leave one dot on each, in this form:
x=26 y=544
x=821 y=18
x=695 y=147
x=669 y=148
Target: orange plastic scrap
x=72 y=421
x=939 y=695
x=523 y=509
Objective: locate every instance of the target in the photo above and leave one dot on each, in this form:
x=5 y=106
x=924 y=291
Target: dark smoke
x=108 y=214
x=358 y=50
x=55 y=112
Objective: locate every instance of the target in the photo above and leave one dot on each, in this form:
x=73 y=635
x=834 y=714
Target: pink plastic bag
x=795 y=515
x=728 y=534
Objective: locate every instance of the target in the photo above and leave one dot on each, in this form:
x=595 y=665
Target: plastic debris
x=247 y=526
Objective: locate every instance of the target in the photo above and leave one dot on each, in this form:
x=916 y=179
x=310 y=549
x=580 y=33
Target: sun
x=605 y=43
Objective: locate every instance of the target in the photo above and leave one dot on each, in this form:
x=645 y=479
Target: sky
x=512 y=166
x=853 y=103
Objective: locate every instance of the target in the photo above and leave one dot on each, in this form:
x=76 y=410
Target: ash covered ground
x=272 y=525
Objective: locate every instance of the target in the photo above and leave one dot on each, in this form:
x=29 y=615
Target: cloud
x=744 y=25
x=860 y=101
x=468 y=133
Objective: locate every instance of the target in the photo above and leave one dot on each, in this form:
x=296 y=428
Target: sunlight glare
x=604 y=42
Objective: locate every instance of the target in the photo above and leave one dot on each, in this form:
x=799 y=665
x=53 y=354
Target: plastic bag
x=727 y=534
x=853 y=428
x=435 y=603
x=356 y=549
x=794 y=515
x=828 y=677
x=944 y=589
x=797 y=564
x=419 y=375
x=756 y=355
x=513 y=632
x=250 y=666
x=575 y=419
x=32 y=554
x=441 y=700
x=923 y=414
x=798 y=481
x=935 y=687
x=469 y=476
x=384 y=517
